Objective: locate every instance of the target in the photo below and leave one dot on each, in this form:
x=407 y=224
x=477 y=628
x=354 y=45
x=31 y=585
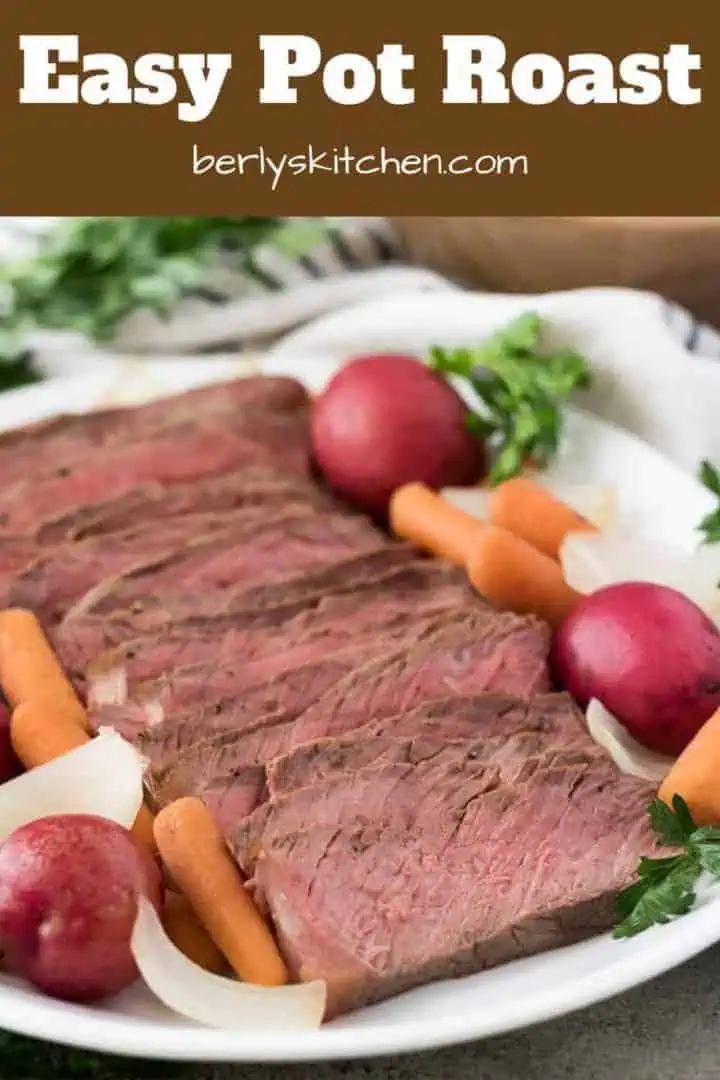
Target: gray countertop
x=666 y=1030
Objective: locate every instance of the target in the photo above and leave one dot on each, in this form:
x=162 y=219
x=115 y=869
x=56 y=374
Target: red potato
x=9 y=764
x=385 y=421
x=650 y=655
x=68 y=902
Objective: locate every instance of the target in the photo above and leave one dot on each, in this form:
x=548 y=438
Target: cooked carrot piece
x=198 y=861
x=421 y=516
x=29 y=669
x=695 y=775
x=527 y=509
x=513 y=574
x=144 y=829
x=189 y=935
x=40 y=731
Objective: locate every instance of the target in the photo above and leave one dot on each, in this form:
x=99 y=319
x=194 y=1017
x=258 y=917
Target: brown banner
x=553 y=108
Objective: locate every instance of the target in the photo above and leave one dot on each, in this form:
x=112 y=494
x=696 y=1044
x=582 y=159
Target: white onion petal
x=592 y=561
x=597 y=503
x=104 y=777
x=627 y=753
x=213 y=1000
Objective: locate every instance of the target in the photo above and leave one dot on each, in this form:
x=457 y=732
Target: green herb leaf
x=91 y=273
x=709 y=527
x=665 y=897
x=656 y=868
x=710 y=477
x=665 y=887
x=709 y=858
x=520 y=391
x=673 y=825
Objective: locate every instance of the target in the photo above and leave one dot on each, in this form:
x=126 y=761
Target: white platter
x=513 y=996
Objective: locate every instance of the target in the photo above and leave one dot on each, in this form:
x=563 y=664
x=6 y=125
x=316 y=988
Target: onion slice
x=627 y=753
x=104 y=777
x=592 y=561
x=213 y=1000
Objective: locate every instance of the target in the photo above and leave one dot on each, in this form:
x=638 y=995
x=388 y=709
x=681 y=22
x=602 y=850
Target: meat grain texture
x=380 y=746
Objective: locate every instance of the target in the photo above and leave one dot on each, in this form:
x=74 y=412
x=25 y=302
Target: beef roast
x=553 y=718
x=66 y=440
x=449 y=656
x=62 y=575
x=333 y=771
x=236 y=697
x=189 y=451
x=277 y=546
x=81 y=637
x=452 y=878
x=504 y=653
x=15 y=553
x=241 y=489
x=383 y=791
x=282 y=637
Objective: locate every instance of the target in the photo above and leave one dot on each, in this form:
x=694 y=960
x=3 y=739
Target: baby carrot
x=144 y=829
x=189 y=935
x=421 y=516
x=527 y=509
x=40 y=731
x=513 y=574
x=194 y=853
x=29 y=669
x=695 y=775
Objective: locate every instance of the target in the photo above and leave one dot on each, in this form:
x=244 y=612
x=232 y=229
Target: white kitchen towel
x=644 y=379
x=358 y=261
x=657 y=370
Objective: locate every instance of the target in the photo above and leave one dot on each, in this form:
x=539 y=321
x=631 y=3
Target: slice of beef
x=84 y=634
x=198 y=685
x=472 y=882
x=64 y=440
x=246 y=795
x=184 y=764
x=394 y=790
x=15 y=553
x=501 y=731
x=553 y=718
x=279 y=546
x=167 y=740
x=333 y=623
x=189 y=451
x=227 y=700
x=62 y=575
x=251 y=487
x=504 y=653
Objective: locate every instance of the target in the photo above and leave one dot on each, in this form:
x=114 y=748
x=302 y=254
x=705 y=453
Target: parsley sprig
x=666 y=887
x=521 y=389
x=709 y=527
x=89 y=274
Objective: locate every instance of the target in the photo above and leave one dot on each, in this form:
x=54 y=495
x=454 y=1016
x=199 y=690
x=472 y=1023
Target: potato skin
x=649 y=655
x=384 y=421
x=69 y=885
